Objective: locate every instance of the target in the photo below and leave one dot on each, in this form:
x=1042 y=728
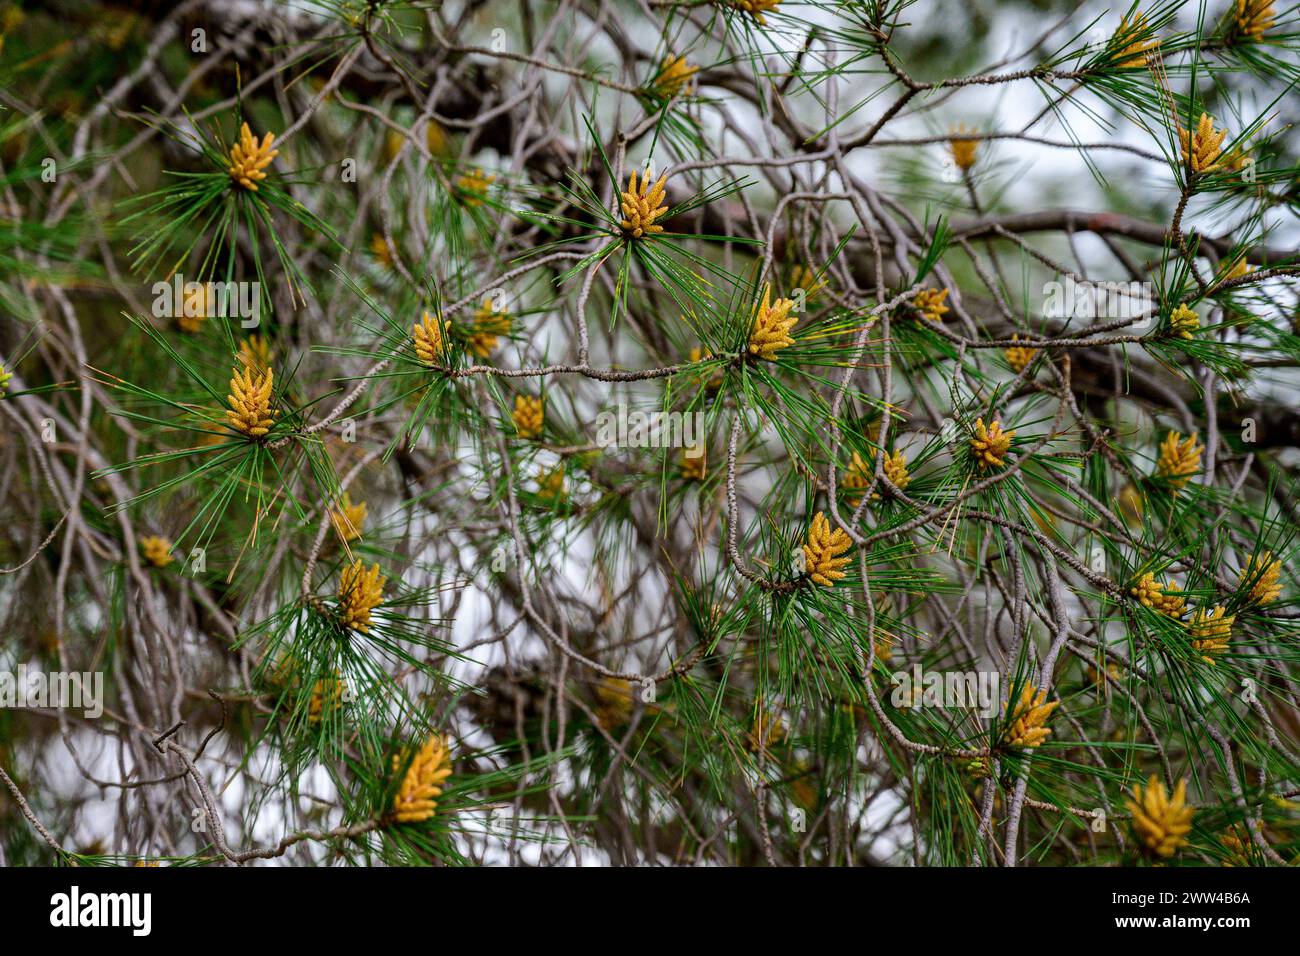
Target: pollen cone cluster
x=1254 y=17
x=528 y=416
x=1184 y=322
x=895 y=469
x=716 y=377
x=417 y=797
x=250 y=402
x=193 y=311
x=349 y=519
x=380 y=250
x=157 y=550
x=860 y=473
x=1160 y=596
x=550 y=486
x=856 y=479
x=473 y=186
x=674 y=76
x=822 y=552
x=1265 y=574
x=1179 y=459
x=1020 y=356
x=326 y=698
x=430 y=340
x=248 y=158
x=756 y=8
x=1211 y=632
x=963 y=150
x=930 y=303
x=1239 y=268
x=770 y=331
x=1201 y=148
x=802 y=277
x=488 y=325
x=1160 y=822
x=642 y=205
x=1029 y=718
x=1128 y=45
x=255 y=353
x=360 y=592
x=990 y=444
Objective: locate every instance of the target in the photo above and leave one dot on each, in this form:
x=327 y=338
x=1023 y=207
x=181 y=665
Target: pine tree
x=946 y=512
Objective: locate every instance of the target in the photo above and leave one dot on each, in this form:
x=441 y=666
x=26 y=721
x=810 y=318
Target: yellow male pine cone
x=642 y=205
x=1184 y=321
x=674 y=76
x=1179 y=459
x=930 y=303
x=1162 y=597
x=488 y=324
x=756 y=8
x=248 y=158
x=962 y=149
x=990 y=444
x=157 y=550
x=770 y=331
x=326 y=698
x=1264 y=573
x=1211 y=632
x=528 y=416
x=255 y=352
x=1239 y=268
x=417 y=797
x=360 y=592
x=1028 y=718
x=473 y=186
x=1129 y=47
x=1238 y=846
x=716 y=377
x=1160 y=823
x=349 y=519
x=430 y=340
x=822 y=552
x=380 y=250
x=393 y=144
x=1019 y=356
x=861 y=472
x=802 y=277
x=895 y=468
x=1254 y=17
x=857 y=478
x=250 y=402
x=1201 y=149
x=550 y=486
